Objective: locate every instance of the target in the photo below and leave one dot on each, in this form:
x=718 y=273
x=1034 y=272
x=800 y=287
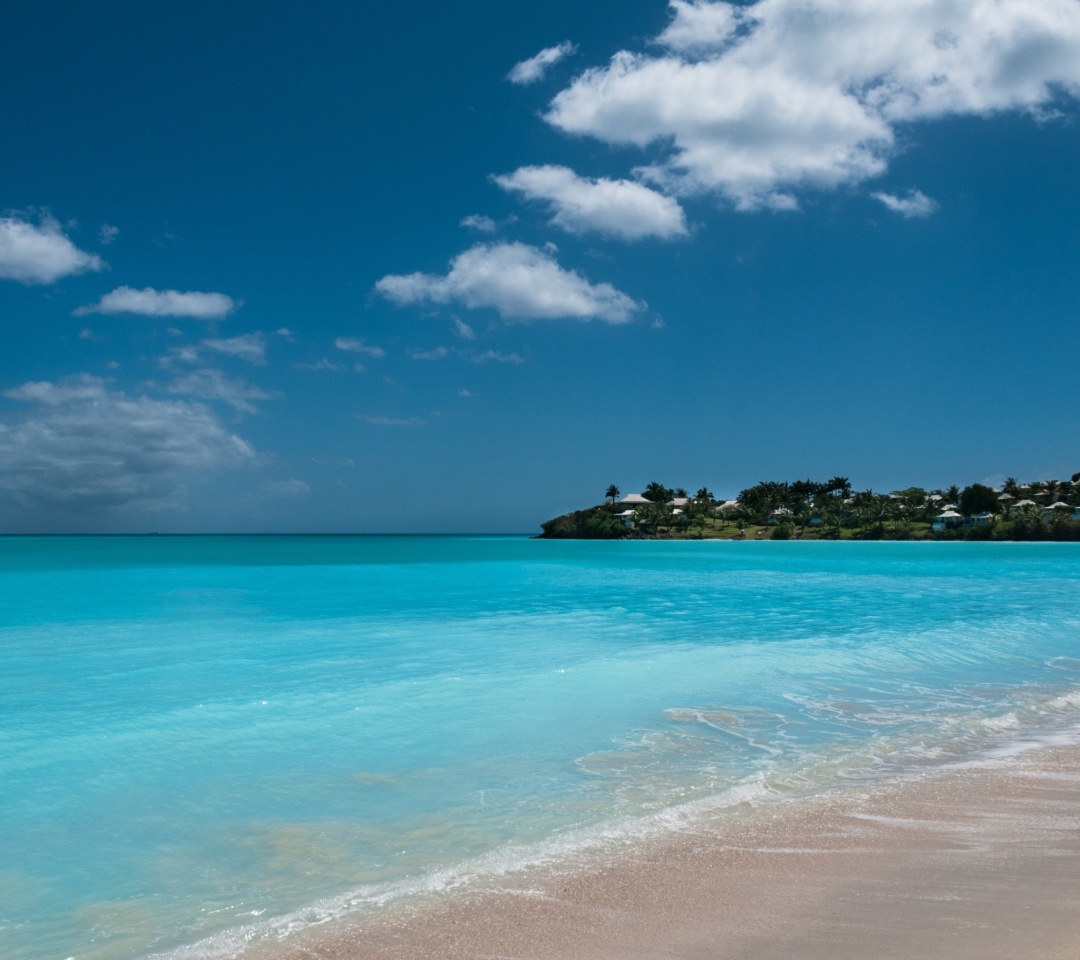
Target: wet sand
x=978 y=863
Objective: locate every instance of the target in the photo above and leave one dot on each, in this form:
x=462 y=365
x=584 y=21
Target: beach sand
x=982 y=862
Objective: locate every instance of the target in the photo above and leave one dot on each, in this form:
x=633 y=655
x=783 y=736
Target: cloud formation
x=758 y=101
x=616 y=208
x=377 y=421
x=250 y=347
x=40 y=254
x=915 y=204
x=149 y=302
x=359 y=345
x=533 y=69
x=85 y=447
x=480 y=222
x=518 y=281
x=211 y=384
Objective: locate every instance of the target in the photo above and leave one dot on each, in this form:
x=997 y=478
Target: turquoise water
x=210 y=742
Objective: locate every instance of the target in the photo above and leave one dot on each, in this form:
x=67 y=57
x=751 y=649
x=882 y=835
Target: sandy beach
x=982 y=862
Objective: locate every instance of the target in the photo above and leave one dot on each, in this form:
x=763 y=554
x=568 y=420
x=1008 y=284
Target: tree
x=612 y=494
x=978 y=498
x=658 y=493
x=705 y=495
x=1011 y=487
x=952 y=494
x=680 y=492
x=840 y=486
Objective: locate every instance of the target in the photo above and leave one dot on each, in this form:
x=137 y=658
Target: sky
x=429 y=267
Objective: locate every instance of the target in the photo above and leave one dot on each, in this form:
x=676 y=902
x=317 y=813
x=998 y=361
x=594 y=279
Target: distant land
x=831 y=510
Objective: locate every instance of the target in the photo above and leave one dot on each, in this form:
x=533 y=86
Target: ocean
x=209 y=745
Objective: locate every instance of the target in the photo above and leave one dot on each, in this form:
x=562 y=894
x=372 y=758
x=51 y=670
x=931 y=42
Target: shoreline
x=982 y=861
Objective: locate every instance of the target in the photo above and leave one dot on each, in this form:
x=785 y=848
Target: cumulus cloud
x=359 y=345
x=617 y=208
x=699 y=27
x=533 y=69
x=40 y=253
x=758 y=100
x=84 y=446
x=213 y=384
x=163 y=303
x=915 y=204
x=518 y=281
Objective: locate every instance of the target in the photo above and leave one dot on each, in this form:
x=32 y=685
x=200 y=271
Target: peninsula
x=831 y=510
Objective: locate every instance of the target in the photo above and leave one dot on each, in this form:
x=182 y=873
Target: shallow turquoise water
x=206 y=741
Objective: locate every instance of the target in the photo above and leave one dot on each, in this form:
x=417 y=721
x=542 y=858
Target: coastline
x=981 y=861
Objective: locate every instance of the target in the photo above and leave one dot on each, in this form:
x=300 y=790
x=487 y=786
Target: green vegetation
x=832 y=510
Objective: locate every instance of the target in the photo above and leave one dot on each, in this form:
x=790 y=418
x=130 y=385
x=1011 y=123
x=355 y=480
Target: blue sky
x=434 y=267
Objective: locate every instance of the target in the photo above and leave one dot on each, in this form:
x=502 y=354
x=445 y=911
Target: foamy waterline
x=579 y=849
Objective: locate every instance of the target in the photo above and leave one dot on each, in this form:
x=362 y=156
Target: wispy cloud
x=480 y=223
x=149 y=302
x=463 y=330
x=914 y=204
x=496 y=356
x=211 y=384
x=322 y=364
x=40 y=253
x=361 y=346
x=438 y=353
x=250 y=347
x=617 y=208
x=390 y=421
x=518 y=281
x=533 y=69
x=107 y=234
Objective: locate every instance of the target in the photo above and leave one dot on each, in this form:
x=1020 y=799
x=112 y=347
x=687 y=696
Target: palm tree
x=612 y=493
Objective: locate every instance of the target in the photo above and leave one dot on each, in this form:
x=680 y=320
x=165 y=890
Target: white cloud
x=287 y=489
x=322 y=364
x=391 y=421
x=915 y=204
x=163 y=303
x=518 y=281
x=495 y=356
x=84 y=446
x=212 y=384
x=533 y=69
x=359 y=345
x=250 y=347
x=477 y=221
x=463 y=330
x=40 y=254
x=107 y=234
x=617 y=208
x=786 y=95
x=699 y=26
x=438 y=353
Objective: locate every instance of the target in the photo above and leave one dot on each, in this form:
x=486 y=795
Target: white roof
x=681 y=501
x=948 y=514
x=625 y=513
x=634 y=498
x=935 y=496
x=1006 y=496
x=1024 y=503
x=1060 y=504
x=728 y=505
